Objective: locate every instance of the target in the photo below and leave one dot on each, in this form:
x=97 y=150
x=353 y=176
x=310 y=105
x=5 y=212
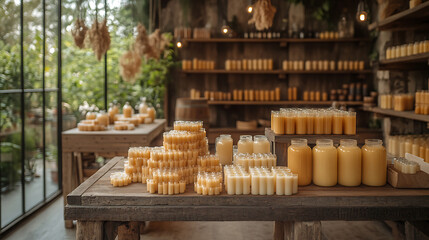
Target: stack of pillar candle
x=120 y=179
x=417 y=145
x=262 y=181
x=161 y=158
x=285 y=181
x=247 y=161
x=237 y=180
x=406 y=166
x=208 y=183
x=138 y=158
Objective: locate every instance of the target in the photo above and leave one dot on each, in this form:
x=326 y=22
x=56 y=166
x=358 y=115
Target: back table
x=103 y=211
x=108 y=143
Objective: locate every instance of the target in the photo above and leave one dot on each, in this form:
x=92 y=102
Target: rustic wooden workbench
x=105 y=143
x=102 y=211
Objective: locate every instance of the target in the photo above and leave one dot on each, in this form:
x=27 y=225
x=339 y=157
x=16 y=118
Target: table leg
x=416 y=230
x=68 y=183
x=279 y=230
x=129 y=230
x=89 y=230
x=303 y=230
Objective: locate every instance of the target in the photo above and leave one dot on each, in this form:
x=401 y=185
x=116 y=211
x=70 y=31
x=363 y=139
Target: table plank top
x=142 y=129
x=97 y=195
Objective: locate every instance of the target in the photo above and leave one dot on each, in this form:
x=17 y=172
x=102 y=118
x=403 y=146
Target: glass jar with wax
x=349 y=163
x=325 y=164
x=300 y=162
x=374 y=163
x=245 y=144
x=224 y=149
x=261 y=144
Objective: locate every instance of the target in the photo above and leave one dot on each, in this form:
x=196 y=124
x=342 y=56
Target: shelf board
x=280 y=72
x=406 y=114
x=405 y=20
x=289 y=103
x=274 y=40
x=413 y=62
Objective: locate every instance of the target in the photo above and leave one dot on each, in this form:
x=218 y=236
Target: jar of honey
x=349 y=163
x=325 y=164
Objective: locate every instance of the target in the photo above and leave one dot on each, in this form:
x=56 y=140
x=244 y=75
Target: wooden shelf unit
x=406 y=114
x=405 y=20
x=279 y=72
x=288 y=103
x=282 y=41
x=413 y=62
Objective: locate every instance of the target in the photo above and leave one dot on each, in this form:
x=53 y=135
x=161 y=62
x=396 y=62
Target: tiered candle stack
x=249 y=64
x=407 y=49
x=313 y=121
x=120 y=179
x=197 y=64
x=417 y=145
x=168 y=169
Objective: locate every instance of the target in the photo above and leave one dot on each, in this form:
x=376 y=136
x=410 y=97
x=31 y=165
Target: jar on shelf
x=349 y=163
x=374 y=163
x=224 y=149
x=245 y=144
x=325 y=164
x=300 y=162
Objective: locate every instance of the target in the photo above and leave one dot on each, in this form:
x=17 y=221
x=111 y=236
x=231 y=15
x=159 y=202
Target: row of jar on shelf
x=325 y=165
x=313 y=121
x=323 y=65
x=407 y=49
x=417 y=145
x=349 y=92
x=99 y=121
x=406 y=102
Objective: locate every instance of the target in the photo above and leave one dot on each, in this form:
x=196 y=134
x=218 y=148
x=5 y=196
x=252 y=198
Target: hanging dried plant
x=79 y=32
x=263 y=14
x=141 y=45
x=129 y=66
x=155 y=43
x=99 y=38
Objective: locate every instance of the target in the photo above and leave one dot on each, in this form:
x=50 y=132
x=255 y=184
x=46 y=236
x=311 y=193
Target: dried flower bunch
x=79 y=32
x=129 y=65
x=263 y=14
x=99 y=38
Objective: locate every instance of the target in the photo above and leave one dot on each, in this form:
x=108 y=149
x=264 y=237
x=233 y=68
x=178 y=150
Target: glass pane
x=82 y=73
x=51 y=132
x=33 y=43
x=121 y=26
x=33 y=162
x=9 y=44
x=51 y=53
x=10 y=158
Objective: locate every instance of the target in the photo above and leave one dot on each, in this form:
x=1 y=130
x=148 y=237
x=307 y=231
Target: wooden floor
x=49 y=224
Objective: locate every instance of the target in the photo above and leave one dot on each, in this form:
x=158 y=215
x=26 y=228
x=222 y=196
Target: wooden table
x=105 y=143
x=100 y=208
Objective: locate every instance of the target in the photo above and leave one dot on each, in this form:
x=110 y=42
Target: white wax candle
x=231 y=184
x=270 y=184
x=280 y=184
x=263 y=184
x=295 y=183
x=239 y=184
x=288 y=184
x=246 y=184
x=255 y=184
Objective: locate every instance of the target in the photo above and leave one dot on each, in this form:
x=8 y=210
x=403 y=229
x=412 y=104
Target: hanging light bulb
x=225 y=29
x=250 y=7
x=179 y=43
x=361 y=14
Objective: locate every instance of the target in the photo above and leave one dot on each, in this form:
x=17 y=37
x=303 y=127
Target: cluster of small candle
x=268 y=35
x=165 y=188
x=208 y=183
x=128 y=118
x=422 y=102
x=313 y=121
x=256 y=95
x=197 y=64
x=191 y=126
x=397 y=102
x=249 y=64
x=247 y=161
x=407 y=49
x=322 y=65
x=186 y=173
x=406 y=166
x=350 y=92
x=185 y=140
x=90 y=125
x=417 y=145
x=120 y=179
x=123 y=125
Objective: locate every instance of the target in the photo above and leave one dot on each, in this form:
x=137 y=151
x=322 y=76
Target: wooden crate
x=400 y=180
